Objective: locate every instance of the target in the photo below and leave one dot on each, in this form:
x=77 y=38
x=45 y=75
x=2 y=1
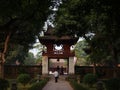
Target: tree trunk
x=94 y=68
x=115 y=61
x=2 y=55
x=115 y=67
x=1 y=70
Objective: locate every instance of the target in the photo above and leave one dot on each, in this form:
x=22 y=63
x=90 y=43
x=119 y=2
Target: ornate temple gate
x=57 y=49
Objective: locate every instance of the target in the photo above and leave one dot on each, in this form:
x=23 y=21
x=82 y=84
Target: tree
x=30 y=59
x=80 y=53
x=83 y=18
x=15 y=53
x=39 y=48
x=20 y=22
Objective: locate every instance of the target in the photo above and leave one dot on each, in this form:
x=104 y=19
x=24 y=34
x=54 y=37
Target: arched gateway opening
x=61 y=65
x=57 y=53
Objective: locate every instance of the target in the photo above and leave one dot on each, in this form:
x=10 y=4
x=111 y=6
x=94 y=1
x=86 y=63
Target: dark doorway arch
x=61 y=64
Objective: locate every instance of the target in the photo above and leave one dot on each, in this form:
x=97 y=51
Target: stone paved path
x=60 y=85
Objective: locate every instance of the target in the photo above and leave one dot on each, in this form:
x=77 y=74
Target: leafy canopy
x=97 y=21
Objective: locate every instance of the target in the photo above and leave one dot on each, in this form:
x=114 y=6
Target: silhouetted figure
x=58 y=69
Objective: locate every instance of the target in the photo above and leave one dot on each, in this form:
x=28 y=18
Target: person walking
x=56 y=75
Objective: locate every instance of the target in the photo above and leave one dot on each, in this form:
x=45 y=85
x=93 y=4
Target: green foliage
x=22 y=20
x=112 y=84
x=71 y=78
x=95 y=20
x=15 y=52
x=24 y=79
x=39 y=60
x=77 y=86
x=80 y=53
x=34 y=80
x=4 y=84
x=38 y=85
x=29 y=59
x=89 y=79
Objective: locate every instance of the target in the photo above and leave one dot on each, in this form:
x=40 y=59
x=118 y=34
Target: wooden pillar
x=71 y=65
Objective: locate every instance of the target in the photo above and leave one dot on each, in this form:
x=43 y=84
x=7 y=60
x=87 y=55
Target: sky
x=35 y=50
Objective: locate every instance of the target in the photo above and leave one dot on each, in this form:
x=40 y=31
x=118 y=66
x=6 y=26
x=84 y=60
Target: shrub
x=34 y=80
x=24 y=79
x=71 y=77
x=112 y=84
x=89 y=79
x=38 y=85
x=77 y=86
x=47 y=78
x=4 y=84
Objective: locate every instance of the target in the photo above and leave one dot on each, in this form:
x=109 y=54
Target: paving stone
x=60 y=85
